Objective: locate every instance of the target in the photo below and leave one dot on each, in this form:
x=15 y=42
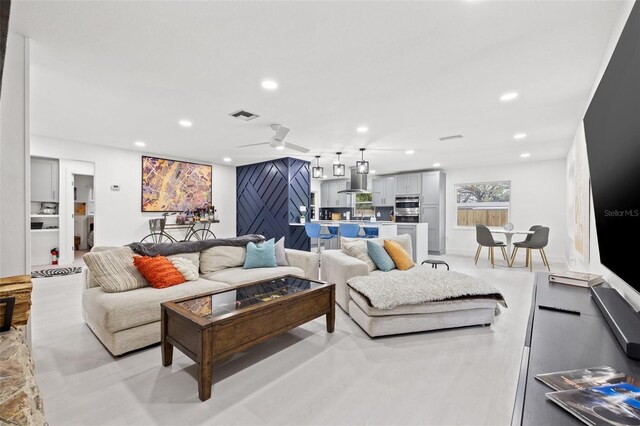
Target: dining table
x=509 y=236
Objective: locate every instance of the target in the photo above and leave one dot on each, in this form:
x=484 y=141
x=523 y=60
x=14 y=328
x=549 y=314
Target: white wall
x=538 y=197
x=594 y=265
x=14 y=159
x=118 y=218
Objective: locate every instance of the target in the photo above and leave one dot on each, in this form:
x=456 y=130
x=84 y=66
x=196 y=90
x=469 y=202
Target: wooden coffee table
x=213 y=326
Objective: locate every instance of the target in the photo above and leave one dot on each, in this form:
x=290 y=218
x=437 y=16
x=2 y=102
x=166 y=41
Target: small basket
x=157 y=225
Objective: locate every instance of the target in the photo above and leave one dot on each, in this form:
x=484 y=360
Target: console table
x=558 y=341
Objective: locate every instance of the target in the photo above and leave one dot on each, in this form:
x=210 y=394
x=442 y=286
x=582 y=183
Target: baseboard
x=472 y=252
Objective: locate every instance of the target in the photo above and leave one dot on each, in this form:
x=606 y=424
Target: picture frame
x=164 y=187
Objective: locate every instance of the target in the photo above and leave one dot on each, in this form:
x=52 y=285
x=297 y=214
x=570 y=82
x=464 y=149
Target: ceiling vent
x=450 y=138
x=244 y=115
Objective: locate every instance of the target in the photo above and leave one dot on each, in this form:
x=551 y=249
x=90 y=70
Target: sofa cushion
x=222 y=257
x=380 y=257
x=357 y=247
x=281 y=253
x=237 y=276
x=404 y=240
x=262 y=255
x=400 y=257
x=186 y=268
x=158 y=270
x=114 y=271
x=193 y=257
x=422 y=308
x=120 y=311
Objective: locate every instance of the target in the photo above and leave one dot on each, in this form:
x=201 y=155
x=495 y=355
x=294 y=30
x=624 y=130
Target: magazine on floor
x=585 y=378
x=616 y=404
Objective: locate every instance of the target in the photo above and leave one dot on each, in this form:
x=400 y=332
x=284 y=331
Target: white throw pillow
x=281 y=256
x=357 y=247
x=186 y=268
x=222 y=257
x=193 y=257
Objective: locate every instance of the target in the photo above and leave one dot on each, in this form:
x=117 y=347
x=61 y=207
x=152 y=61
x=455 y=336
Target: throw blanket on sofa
x=421 y=284
x=168 y=249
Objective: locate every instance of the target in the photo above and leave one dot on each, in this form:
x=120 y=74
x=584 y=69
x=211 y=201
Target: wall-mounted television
x=612 y=130
x=174 y=186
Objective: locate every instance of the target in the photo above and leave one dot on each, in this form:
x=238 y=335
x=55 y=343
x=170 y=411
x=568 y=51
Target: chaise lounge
x=418 y=299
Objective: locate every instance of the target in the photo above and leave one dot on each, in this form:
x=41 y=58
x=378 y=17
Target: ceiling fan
x=277 y=141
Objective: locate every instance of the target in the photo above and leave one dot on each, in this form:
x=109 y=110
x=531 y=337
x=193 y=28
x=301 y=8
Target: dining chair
x=485 y=239
x=522 y=244
x=349 y=230
x=539 y=241
x=313 y=231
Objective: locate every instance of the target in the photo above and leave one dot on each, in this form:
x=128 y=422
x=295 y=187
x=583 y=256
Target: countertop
x=363 y=223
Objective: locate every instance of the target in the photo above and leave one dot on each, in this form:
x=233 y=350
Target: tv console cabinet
x=558 y=341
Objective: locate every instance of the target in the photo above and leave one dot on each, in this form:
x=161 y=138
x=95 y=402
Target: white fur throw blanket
x=421 y=284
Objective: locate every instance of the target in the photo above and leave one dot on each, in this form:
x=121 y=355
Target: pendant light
x=339 y=169
x=362 y=167
x=317 y=171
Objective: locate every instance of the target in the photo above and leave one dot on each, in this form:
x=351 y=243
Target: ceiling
x=111 y=73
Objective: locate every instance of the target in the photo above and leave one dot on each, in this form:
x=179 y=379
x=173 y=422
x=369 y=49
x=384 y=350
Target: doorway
x=83 y=213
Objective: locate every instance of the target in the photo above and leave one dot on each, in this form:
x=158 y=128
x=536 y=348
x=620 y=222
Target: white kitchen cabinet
x=409 y=184
x=44 y=180
x=330 y=196
x=383 y=191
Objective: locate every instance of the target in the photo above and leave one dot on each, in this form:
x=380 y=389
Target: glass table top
x=211 y=306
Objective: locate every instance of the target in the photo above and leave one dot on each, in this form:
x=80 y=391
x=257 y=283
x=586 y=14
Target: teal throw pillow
x=380 y=256
x=262 y=255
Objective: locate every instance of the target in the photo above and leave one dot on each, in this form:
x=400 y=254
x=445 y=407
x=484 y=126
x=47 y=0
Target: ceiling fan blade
x=296 y=147
x=281 y=133
x=254 y=144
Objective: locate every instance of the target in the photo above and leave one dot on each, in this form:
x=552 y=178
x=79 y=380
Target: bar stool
x=371 y=232
x=349 y=230
x=313 y=231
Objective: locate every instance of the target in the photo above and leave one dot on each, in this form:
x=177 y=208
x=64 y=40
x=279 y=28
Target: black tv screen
x=612 y=130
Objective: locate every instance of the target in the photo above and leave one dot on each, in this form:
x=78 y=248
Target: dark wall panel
x=269 y=196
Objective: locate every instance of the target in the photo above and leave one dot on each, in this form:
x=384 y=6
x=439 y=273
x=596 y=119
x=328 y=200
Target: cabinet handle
x=53 y=194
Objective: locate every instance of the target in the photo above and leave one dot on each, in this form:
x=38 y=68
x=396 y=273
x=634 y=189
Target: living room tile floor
x=306 y=376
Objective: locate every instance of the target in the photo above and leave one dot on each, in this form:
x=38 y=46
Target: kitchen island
x=385 y=229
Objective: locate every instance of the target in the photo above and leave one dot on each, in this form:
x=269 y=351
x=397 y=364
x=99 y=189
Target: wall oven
x=408 y=208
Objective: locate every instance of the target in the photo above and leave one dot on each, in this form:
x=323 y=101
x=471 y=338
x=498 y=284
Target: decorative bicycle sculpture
x=193 y=232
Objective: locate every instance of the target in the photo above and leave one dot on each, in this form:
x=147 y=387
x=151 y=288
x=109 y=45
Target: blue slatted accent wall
x=268 y=198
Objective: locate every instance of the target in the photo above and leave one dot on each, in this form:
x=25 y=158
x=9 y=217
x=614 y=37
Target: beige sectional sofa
x=130 y=320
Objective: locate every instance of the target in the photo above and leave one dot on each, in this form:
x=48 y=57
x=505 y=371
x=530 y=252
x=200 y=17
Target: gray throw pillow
x=281 y=256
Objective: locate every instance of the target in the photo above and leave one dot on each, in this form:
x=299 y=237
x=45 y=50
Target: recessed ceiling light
x=362 y=129
x=372 y=172
x=280 y=147
x=269 y=85
x=436 y=164
x=525 y=155
x=185 y=123
x=520 y=136
x=226 y=159
x=509 y=96
x=139 y=143
x=324 y=176
x=409 y=151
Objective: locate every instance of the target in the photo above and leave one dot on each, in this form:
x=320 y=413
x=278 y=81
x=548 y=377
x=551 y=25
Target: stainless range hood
x=358 y=184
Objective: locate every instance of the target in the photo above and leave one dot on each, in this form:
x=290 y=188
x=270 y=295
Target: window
x=483 y=203
x=364 y=208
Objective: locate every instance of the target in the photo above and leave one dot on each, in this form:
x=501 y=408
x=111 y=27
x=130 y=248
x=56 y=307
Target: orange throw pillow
x=399 y=255
x=158 y=270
